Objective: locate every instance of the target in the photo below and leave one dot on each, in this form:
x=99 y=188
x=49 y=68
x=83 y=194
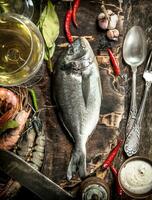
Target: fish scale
x=71 y=102
x=77 y=92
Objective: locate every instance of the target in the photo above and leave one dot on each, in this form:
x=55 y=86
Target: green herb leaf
x=34 y=98
x=10 y=124
x=49 y=27
x=49 y=52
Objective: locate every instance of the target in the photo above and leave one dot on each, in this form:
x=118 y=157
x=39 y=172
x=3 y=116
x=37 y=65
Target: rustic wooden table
x=116 y=95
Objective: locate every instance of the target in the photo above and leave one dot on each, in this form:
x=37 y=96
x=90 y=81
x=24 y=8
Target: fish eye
x=70 y=51
x=83 y=45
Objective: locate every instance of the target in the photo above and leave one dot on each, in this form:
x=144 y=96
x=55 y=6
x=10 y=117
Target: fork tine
x=150 y=67
x=148 y=62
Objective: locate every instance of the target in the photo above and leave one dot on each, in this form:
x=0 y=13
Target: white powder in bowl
x=136 y=177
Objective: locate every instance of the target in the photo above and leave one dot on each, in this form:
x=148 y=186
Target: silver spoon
x=134 y=54
x=132 y=142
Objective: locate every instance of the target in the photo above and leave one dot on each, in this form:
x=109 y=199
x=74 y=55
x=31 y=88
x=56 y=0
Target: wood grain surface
x=116 y=93
x=116 y=96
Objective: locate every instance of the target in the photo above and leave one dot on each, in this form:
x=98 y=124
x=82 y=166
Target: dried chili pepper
x=67 y=25
x=118 y=188
x=75 y=8
x=107 y=163
x=115 y=65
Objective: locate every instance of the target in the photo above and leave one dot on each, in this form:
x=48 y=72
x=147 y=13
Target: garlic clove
x=102 y=21
x=101 y=16
x=103 y=24
x=110 y=34
x=113 y=34
x=116 y=32
x=113 y=21
x=110 y=12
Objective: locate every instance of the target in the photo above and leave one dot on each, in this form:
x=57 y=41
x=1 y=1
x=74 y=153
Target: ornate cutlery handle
x=132 y=142
x=133 y=106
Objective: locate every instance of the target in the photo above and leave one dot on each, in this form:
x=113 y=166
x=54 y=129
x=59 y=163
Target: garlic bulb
x=105 y=23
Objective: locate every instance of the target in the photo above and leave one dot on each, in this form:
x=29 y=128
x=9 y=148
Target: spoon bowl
x=135 y=47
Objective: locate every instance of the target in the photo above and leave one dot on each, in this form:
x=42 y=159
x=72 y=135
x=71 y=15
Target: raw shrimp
x=32 y=144
x=9 y=105
x=9 y=140
x=30 y=147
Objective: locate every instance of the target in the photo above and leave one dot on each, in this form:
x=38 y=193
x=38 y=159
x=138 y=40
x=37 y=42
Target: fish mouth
x=74 y=52
x=83 y=49
x=84 y=42
x=78 y=56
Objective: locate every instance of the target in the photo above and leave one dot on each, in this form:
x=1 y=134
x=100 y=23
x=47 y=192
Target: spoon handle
x=133 y=106
x=131 y=145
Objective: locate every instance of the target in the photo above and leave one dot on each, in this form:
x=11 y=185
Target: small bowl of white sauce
x=135 y=177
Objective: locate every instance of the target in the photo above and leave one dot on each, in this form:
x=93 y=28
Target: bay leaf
x=42 y=17
x=49 y=52
x=49 y=25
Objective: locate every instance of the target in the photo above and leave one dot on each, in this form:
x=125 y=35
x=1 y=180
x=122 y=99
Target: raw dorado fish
x=77 y=92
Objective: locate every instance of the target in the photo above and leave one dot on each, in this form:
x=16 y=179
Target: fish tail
x=77 y=163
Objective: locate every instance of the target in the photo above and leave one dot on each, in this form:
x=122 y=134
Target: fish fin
x=77 y=163
x=85 y=88
x=66 y=128
x=61 y=119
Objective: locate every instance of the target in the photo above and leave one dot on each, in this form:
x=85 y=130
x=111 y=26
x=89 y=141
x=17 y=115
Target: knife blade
x=27 y=176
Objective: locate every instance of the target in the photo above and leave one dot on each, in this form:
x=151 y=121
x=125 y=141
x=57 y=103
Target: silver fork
x=131 y=145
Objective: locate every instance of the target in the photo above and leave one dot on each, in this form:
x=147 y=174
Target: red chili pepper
x=107 y=163
x=118 y=188
x=68 y=19
x=75 y=8
x=115 y=65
